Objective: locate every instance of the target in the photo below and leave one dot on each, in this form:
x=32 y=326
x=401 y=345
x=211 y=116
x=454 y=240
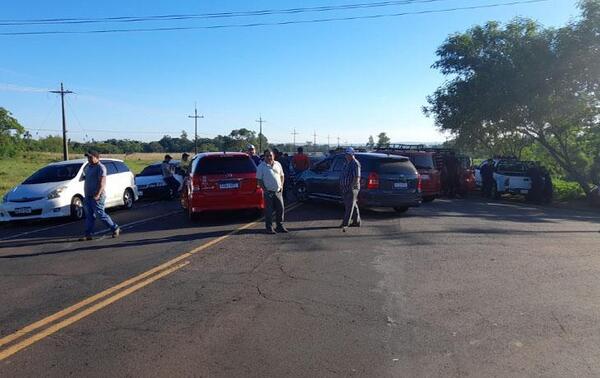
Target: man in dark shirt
x=95 y=196
x=349 y=188
x=487 y=178
x=250 y=150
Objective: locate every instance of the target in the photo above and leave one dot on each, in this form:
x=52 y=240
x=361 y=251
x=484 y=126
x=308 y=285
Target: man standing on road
x=271 y=179
x=93 y=190
x=170 y=180
x=250 y=150
x=349 y=188
x=487 y=178
x=300 y=161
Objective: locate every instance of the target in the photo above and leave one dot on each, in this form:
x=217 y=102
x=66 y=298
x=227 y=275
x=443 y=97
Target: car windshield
x=151 y=170
x=422 y=161
x=54 y=173
x=512 y=167
x=223 y=165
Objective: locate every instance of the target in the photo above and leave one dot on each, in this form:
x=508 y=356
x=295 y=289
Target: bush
x=567 y=190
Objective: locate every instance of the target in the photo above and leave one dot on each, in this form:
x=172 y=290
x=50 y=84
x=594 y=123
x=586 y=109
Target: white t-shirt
x=270 y=175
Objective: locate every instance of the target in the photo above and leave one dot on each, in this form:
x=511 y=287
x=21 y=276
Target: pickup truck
x=510 y=177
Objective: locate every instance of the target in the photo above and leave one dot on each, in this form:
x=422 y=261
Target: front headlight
x=56 y=192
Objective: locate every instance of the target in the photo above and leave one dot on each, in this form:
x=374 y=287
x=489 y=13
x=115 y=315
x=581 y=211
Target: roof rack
x=401 y=147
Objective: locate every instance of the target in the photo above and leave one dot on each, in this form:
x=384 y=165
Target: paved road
x=453 y=288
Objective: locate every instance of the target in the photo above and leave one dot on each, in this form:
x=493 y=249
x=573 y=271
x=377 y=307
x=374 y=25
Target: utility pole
x=294 y=134
x=338 y=139
x=62 y=94
x=315 y=140
x=328 y=145
x=260 y=122
x=195 y=117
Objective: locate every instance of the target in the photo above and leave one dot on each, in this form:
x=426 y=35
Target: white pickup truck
x=510 y=177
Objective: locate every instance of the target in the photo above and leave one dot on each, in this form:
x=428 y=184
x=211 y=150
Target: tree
x=523 y=84
x=10 y=134
x=382 y=140
x=371 y=142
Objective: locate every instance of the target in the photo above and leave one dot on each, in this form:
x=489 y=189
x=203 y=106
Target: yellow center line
x=71 y=309
x=90 y=310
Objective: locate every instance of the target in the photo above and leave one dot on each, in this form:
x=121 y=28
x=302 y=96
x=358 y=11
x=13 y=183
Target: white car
x=57 y=191
x=510 y=177
x=150 y=180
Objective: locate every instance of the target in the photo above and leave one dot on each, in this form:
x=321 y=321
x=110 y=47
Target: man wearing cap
x=271 y=179
x=349 y=188
x=167 y=172
x=93 y=190
x=250 y=150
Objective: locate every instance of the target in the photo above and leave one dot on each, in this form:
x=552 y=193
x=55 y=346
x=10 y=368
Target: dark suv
x=386 y=181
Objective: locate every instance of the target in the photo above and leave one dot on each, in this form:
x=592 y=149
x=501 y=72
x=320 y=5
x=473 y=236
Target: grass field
x=14 y=171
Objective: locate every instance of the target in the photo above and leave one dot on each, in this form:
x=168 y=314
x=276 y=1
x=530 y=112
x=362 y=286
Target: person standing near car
x=271 y=179
x=95 y=197
x=487 y=178
x=167 y=173
x=349 y=189
x=184 y=164
x=300 y=161
x=250 y=150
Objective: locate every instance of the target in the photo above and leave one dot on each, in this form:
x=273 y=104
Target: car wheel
x=401 y=209
x=301 y=192
x=77 y=211
x=428 y=198
x=128 y=199
x=495 y=193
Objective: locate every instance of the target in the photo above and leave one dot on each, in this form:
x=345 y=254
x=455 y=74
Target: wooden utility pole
x=315 y=140
x=195 y=117
x=294 y=134
x=260 y=122
x=62 y=94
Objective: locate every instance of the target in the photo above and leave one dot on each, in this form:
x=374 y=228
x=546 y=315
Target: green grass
x=14 y=170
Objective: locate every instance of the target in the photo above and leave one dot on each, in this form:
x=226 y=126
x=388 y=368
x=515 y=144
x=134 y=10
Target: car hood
x=33 y=191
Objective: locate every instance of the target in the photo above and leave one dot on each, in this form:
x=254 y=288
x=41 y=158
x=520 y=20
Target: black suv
x=386 y=181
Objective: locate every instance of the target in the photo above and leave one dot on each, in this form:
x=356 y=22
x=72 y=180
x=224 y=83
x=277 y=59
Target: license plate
x=400 y=185
x=524 y=191
x=229 y=185
x=140 y=193
x=23 y=210
x=424 y=177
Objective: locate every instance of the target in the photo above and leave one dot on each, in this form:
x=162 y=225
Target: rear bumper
x=387 y=199
x=155 y=191
x=217 y=203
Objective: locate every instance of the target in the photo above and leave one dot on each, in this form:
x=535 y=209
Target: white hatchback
x=57 y=191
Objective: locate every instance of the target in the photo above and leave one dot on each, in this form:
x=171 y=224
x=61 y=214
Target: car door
x=316 y=179
x=333 y=178
x=113 y=194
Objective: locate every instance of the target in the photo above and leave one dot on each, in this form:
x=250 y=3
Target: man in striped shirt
x=349 y=188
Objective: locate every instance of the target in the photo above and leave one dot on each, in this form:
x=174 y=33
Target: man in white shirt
x=271 y=178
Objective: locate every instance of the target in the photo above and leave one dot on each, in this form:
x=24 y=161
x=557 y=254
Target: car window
x=512 y=167
x=394 y=166
x=225 y=164
x=111 y=168
x=338 y=164
x=422 y=161
x=323 y=166
x=151 y=170
x=121 y=167
x=54 y=173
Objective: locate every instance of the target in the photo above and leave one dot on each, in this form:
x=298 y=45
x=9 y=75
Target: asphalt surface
x=453 y=288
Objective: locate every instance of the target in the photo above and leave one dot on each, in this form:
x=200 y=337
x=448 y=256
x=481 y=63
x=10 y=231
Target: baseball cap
x=250 y=147
x=349 y=151
x=93 y=153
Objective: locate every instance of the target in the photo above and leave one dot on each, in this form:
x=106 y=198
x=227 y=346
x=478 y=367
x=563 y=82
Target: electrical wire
x=171 y=17
x=276 y=23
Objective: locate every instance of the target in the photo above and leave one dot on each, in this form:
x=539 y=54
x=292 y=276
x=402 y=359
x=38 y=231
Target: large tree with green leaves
x=523 y=83
x=11 y=132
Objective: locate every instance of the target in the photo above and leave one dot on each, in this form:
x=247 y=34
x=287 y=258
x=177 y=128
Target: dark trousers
x=95 y=209
x=486 y=187
x=172 y=184
x=273 y=202
x=351 y=211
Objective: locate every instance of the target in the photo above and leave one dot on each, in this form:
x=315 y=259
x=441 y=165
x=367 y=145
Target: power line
x=179 y=17
x=275 y=23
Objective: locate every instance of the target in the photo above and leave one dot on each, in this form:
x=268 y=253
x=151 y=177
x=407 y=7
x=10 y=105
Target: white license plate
x=400 y=185
x=23 y=210
x=229 y=185
x=424 y=177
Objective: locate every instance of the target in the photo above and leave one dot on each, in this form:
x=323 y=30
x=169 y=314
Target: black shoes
x=281 y=229
x=86 y=238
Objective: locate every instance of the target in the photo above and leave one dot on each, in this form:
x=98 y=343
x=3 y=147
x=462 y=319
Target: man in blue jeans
x=93 y=190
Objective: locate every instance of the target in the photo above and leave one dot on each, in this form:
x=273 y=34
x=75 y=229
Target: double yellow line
x=96 y=302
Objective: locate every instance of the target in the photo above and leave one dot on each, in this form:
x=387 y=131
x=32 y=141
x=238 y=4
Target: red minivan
x=221 y=181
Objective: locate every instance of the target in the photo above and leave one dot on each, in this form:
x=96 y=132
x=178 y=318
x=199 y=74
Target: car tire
x=401 y=209
x=300 y=192
x=128 y=199
x=428 y=198
x=495 y=193
x=77 y=210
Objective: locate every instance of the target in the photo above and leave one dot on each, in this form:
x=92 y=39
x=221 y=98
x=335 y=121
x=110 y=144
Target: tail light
x=195 y=184
x=373 y=181
x=419 y=184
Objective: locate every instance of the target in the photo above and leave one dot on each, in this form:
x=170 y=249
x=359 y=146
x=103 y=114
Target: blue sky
x=349 y=79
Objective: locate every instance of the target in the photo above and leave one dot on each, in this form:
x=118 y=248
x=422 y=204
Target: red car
x=424 y=162
x=221 y=181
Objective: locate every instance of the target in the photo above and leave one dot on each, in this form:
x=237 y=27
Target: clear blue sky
x=349 y=79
